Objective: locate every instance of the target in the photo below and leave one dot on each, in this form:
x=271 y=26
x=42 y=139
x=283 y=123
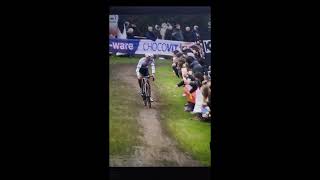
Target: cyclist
x=142 y=69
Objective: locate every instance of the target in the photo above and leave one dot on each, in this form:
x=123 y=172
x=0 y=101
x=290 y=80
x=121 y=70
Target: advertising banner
x=143 y=46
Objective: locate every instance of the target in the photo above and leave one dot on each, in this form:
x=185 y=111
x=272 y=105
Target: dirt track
x=157 y=148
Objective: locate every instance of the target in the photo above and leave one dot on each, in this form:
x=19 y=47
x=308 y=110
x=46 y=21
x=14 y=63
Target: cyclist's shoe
x=140 y=93
x=151 y=99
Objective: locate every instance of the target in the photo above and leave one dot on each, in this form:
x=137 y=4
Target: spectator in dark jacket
x=157 y=31
x=136 y=31
x=188 y=37
x=150 y=35
x=195 y=33
x=194 y=65
x=168 y=34
x=197 y=82
x=177 y=34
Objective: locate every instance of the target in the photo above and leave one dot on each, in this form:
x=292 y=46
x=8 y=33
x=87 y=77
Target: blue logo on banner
x=128 y=46
x=164 y=47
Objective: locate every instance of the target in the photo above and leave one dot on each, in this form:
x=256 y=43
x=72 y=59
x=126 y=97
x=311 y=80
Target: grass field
x=123 y=127
x=193 y=136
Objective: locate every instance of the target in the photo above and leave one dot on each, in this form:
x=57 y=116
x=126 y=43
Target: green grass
x=123 y=111
x=193 y=136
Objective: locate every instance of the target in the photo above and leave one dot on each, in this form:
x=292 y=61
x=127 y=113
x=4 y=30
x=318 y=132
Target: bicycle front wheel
x=148 y=90
x=144 y=93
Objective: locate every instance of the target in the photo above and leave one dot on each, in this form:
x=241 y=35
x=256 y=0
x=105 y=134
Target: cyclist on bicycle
x=142 y=69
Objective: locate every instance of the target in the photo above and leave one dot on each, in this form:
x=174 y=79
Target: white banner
x=143 y=46
x=160 y=47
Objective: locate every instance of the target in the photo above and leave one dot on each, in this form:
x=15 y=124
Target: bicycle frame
x=146 y=91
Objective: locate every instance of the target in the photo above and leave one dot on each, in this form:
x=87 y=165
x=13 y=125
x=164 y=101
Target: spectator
x=136 y=31
x=176 y=55
x=130 y=34
x=195 y=33
x=127 y=24
x=168 y=34
x=198 y=78
x=194 y=65
x=163 y=30
x=188 y=37
x=206 y=91
x=177 y=34
x=185 y=51
x=150 y=35
x=157 y=31
x=199 y=97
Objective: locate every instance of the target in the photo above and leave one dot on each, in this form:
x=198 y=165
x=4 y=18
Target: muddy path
x=157 y=148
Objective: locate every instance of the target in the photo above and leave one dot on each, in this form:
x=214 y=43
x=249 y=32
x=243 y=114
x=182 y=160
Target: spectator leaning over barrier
x=196 y=86
x=194 y=65
x=176 y=56
x=185 y=51
x=150 y=35
x=190 y=95
x=181 y=64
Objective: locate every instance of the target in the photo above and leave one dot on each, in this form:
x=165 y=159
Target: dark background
x=55 y=108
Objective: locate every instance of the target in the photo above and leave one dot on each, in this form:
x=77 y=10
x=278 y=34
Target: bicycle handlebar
x=149 y=76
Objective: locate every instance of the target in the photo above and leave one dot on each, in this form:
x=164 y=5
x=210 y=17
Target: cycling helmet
x=149 y=55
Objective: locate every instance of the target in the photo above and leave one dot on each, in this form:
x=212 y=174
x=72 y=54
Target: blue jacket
x=151 y=36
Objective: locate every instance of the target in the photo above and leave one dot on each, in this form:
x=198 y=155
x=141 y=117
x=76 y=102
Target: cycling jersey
x=143 y=63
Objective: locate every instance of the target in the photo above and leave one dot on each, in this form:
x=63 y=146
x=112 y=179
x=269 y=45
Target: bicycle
x=146 y=90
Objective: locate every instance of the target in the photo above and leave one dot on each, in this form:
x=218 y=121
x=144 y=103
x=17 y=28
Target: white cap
x=191 y=54
x=149 y=55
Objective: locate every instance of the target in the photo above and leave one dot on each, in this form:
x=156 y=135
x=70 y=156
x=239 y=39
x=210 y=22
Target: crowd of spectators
x=195 y=78
x=188 y=64
x=166 y=31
